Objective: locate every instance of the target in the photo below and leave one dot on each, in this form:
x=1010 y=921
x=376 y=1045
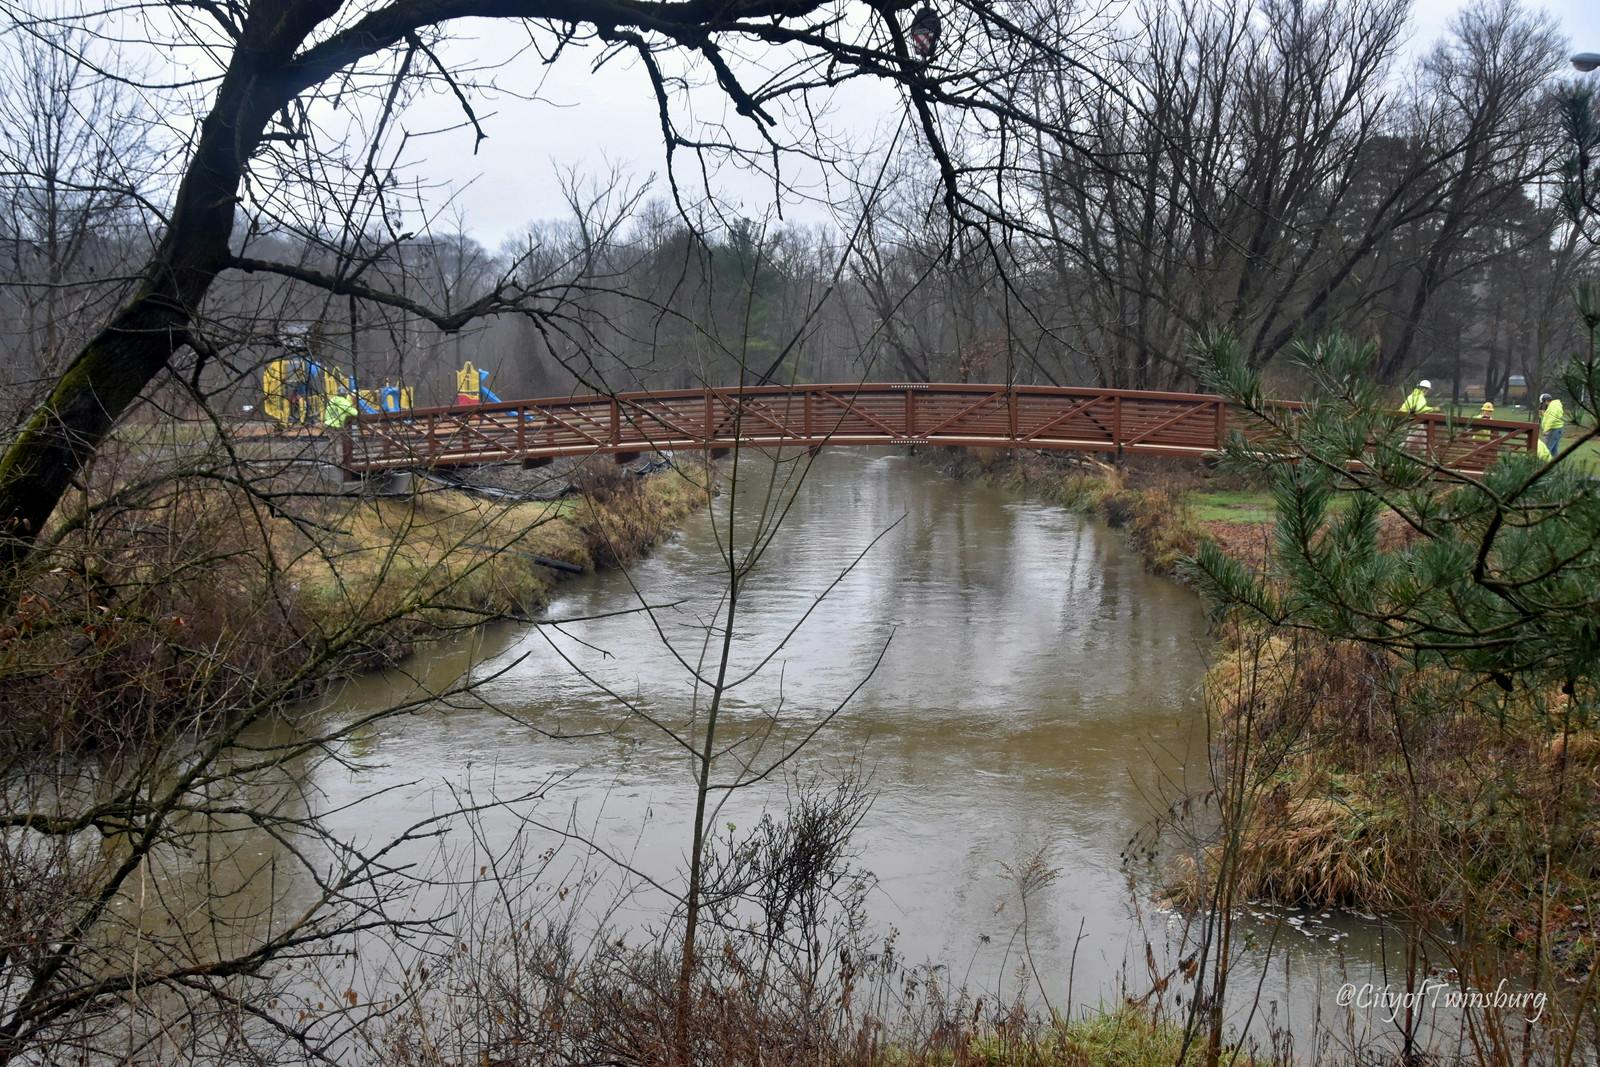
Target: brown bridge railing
x=1120 y=421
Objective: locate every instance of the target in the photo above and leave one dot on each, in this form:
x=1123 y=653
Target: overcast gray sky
x=591 y=121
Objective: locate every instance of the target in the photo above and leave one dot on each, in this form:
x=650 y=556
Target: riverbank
x=441 y=559
x=1164 y=508
x=1422 y=794
x=216 y=595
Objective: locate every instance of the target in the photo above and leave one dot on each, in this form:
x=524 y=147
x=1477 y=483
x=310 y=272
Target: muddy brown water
x=1037 y=693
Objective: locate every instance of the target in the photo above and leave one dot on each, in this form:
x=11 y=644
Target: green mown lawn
x=1588 y=457
x=1234 y=505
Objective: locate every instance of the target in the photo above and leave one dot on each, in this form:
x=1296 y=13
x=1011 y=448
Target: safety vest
x=337 y=411
x=1555 y=416
x=1415 y=404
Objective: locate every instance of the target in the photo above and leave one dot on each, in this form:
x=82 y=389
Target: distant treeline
x=1272 y=169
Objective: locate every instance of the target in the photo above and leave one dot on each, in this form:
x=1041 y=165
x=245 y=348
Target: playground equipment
x=296 y=390
x=472 y=386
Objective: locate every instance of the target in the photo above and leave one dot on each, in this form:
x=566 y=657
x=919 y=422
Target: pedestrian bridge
x=1113 y=421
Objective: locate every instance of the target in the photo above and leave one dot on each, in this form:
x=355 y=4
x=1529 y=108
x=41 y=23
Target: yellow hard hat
x=1487 y=406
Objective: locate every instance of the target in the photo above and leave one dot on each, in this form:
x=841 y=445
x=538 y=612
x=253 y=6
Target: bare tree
x=72 y=170
x=261 y=129
x=1487 y=121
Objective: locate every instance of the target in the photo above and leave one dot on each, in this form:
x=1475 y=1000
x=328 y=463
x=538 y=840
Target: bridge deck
x=1117 y=421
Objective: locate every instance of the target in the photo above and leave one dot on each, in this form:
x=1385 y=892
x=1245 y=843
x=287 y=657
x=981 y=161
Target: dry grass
x=204 y=597
x=1387 y=789
x=616 y=1007
x=448 y=558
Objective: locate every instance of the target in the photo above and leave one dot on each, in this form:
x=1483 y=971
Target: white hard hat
x=1424 y=384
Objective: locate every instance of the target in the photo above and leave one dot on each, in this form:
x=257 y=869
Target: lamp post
x=1586 y=61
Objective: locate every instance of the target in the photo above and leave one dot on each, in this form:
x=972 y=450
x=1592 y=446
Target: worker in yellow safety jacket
x=1552 y=420
x=337 y=410
x=1485 y=412
x=1417 y=402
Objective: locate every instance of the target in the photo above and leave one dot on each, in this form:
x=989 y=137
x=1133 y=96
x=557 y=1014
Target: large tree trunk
x=115 y=366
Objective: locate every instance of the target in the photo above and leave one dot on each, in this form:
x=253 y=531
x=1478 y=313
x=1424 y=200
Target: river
x=1020 y=685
